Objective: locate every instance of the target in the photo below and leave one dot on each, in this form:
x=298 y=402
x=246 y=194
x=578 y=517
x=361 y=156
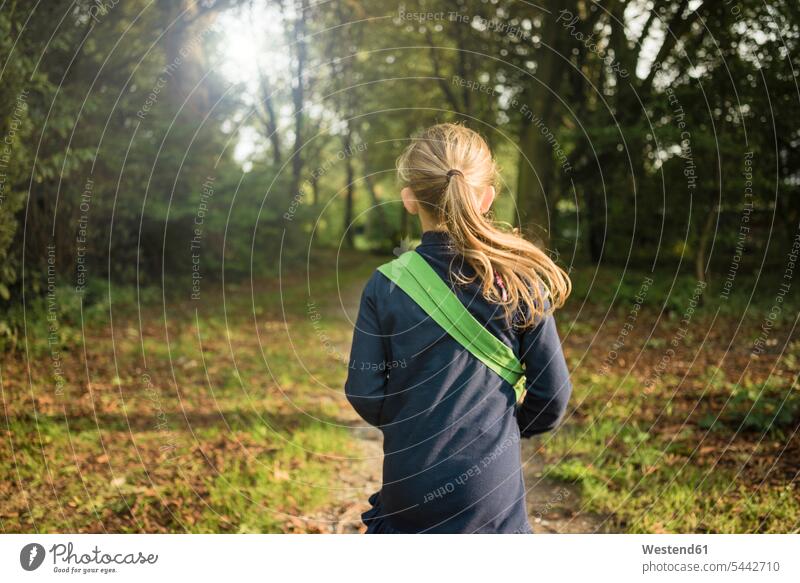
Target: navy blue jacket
x=450 y=426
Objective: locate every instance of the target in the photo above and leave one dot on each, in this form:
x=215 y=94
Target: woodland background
x=192 y=194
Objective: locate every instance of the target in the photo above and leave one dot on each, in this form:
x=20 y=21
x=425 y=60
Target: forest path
x=553 y=506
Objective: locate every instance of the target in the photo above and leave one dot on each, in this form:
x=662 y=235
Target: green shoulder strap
x=417 y=278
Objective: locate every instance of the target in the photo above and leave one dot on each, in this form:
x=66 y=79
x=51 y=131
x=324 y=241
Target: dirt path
x=360 y=476
x=553 y=506
x=357 y=481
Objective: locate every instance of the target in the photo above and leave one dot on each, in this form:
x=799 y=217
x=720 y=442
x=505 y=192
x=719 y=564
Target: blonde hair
x=448 y=167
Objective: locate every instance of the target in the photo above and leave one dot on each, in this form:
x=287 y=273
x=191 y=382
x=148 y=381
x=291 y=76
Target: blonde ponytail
x=447 y=168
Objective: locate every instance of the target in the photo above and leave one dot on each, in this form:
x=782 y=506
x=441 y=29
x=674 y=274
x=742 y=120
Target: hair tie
x=454 y=172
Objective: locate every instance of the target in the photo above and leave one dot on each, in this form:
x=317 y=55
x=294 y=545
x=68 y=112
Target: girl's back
x=451 y=428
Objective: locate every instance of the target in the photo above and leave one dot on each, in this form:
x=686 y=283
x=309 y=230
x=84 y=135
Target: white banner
x=413 y=559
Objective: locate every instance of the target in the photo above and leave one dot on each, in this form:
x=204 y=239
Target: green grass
x=710 y=444
x=249 y=442
x=254 y=441
x=751 y=296
x=660 y=461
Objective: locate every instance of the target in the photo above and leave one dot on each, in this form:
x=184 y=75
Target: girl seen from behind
x=447 y=337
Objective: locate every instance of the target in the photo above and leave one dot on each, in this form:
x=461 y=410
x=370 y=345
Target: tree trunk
x=534 y=185
x=380 y=212
x=350 y=175
x=536 y=196
x=270 y=120
x=315 y=189
x=595 y=223
x=184 y=54
x=298 y=93
x=700 y=259
x=380 y=215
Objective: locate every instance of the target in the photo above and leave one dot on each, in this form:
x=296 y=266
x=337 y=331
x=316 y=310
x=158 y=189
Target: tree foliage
x=646 y=131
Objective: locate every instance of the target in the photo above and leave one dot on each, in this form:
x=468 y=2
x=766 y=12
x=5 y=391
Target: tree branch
x=676 y=28
x=448 y=93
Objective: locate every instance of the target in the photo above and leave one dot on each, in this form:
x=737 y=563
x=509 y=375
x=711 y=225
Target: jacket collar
x=435 y=238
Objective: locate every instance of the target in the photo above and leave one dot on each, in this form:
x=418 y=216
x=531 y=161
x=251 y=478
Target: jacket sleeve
x=366 y=379
x=547 y=379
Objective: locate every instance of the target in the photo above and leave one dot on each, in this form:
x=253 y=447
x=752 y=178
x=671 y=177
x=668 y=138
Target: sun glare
x=255 y=44
x=254 y=51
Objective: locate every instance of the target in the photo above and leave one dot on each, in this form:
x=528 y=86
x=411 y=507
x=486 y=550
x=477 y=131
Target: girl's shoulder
x=377 y=285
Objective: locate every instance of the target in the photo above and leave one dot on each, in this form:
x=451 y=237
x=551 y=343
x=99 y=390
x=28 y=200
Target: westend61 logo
x=67 y=560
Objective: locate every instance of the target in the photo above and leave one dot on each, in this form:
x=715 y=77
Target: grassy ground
x=686 y=413
x=226 y=414
x=204 y=420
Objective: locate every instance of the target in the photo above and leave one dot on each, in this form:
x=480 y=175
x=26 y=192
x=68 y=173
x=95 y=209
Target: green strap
x=417 y=278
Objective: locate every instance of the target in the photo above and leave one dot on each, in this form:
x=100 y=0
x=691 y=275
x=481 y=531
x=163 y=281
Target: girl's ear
x=487 y=199
x=410 y=201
